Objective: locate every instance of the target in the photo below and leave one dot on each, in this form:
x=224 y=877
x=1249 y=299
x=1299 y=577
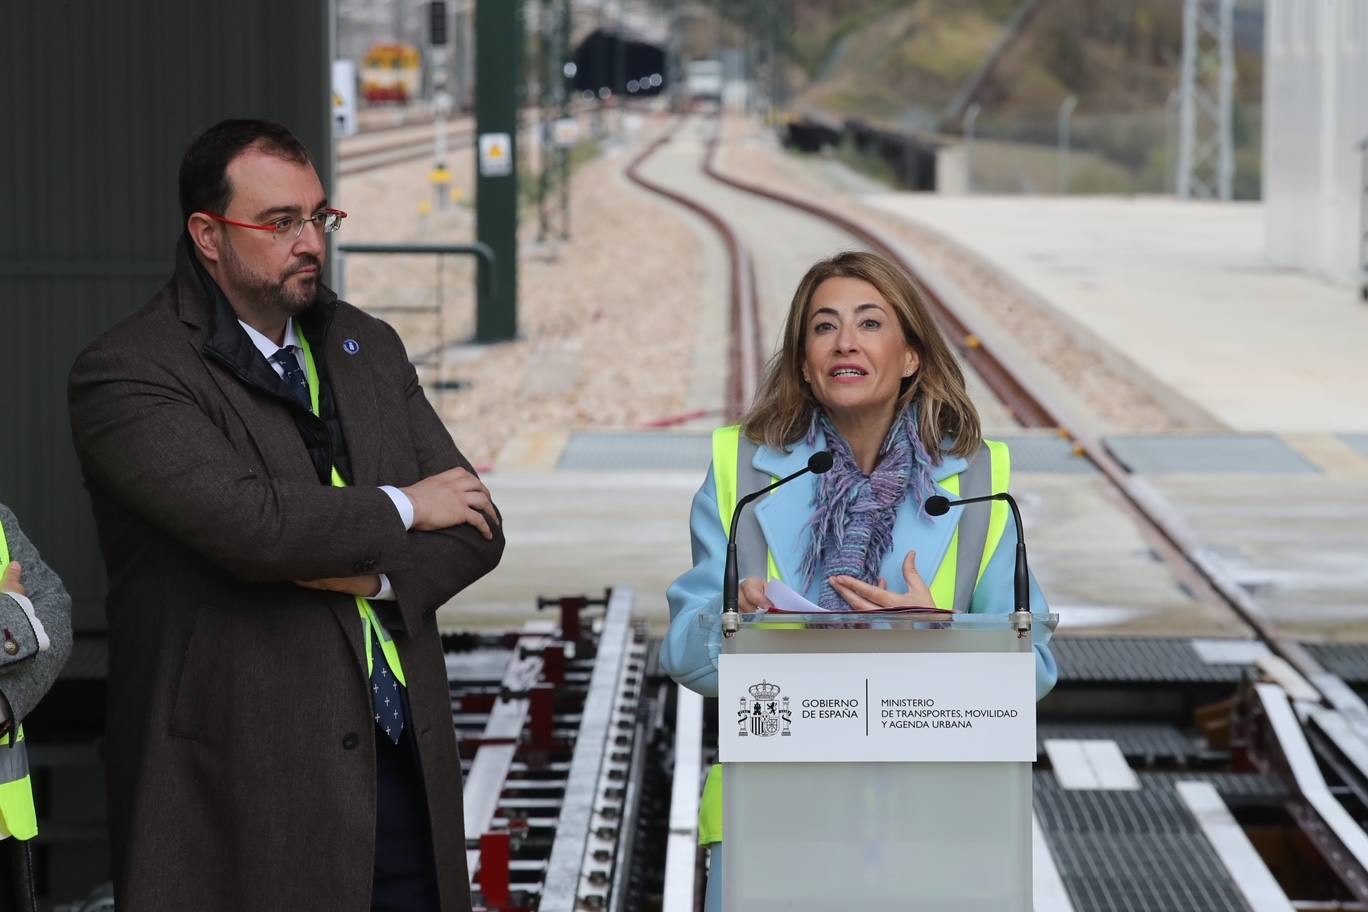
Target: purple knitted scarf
x=851 y=530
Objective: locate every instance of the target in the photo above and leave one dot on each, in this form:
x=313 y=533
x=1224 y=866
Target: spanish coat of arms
x=763 y=714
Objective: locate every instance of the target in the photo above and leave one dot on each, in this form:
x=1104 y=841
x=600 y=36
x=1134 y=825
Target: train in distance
x=391 y=73
x=703 y=80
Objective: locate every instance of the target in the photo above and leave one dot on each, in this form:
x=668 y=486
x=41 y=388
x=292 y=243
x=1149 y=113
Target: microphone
x=936 y=505
x=817 y=463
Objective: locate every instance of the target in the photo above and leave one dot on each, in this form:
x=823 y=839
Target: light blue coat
x=689 y=653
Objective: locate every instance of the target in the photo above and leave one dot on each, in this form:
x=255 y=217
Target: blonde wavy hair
x=784 y=405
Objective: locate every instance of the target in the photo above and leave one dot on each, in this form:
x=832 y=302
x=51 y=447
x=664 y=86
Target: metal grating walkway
x=1347 y=660
x=1235 y=788
x=1168 y=661
x=1146 y=743
x=1132 y=851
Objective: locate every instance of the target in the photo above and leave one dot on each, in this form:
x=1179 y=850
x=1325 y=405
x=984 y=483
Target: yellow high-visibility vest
x=726 y=448
x=369 y=621
x=17 y=815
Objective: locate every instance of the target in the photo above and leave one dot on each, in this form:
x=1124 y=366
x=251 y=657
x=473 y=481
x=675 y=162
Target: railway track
x=1309 y=729
x=398 y=120
x=397 y=144
x=555 y=723
x=358 y=155
x=745 y=355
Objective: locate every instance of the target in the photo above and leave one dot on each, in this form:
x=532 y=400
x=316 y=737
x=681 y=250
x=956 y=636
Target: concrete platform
x=1297 y=544
x=573 y=533
x=1184 y=291
x=587 y=529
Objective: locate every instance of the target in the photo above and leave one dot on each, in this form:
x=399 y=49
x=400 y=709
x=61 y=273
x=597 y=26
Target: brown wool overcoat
x=239 y=752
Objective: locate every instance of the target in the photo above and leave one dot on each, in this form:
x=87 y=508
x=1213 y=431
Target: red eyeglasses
x=329 y=220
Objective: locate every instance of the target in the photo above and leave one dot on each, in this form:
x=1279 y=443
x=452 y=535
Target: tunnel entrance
x=640 y=69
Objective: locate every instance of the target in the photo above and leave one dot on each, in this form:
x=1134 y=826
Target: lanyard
x=368 y=616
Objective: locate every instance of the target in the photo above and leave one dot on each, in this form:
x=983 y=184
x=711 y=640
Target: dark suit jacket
x=240 y=756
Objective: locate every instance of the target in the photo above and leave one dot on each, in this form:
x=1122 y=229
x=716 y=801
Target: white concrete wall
x=1315 y=116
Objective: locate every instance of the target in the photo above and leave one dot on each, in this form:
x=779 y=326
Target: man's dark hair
x=204 y=183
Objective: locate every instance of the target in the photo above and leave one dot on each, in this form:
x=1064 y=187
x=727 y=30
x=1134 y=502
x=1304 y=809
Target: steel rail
x=461 y=134
x=421 y=120
x=1335 y=833
x=499 y=742
x=348 y=151
x=744 y=350
x=681 y=848
x=569 y=862
x=541 y=711
x=357 y=164
x=631 y=766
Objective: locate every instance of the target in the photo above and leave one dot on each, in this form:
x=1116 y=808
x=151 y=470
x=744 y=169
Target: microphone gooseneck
x=937 y=505
x=818 y=463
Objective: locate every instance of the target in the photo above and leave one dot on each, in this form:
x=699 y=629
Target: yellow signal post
x=441 y=180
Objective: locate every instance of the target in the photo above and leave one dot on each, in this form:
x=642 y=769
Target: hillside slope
x=902 y=63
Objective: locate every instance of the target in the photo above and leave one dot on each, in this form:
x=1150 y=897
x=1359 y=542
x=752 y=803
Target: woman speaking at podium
x=864 y=374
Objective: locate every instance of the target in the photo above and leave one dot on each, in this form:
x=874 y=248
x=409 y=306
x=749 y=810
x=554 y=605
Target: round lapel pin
x=351 y=346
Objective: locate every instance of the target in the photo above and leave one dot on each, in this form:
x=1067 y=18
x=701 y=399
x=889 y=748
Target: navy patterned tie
x=389 y=709
x=295 y=380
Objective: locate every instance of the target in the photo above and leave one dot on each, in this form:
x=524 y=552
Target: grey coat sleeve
x=25 y=677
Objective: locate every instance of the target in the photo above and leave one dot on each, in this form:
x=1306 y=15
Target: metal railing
x=1363 y=220
x=485 y=287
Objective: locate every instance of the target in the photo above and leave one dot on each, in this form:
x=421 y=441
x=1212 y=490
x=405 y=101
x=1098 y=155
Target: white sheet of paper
x=785 y=599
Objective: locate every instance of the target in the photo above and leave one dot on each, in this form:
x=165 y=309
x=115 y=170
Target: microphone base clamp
x=731 y=622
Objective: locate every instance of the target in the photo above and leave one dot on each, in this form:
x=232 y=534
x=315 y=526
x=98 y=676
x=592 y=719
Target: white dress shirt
x=268 y=350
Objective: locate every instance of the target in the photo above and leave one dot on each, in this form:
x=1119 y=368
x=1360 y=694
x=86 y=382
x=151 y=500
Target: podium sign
x=941 y=823
x=877 y=707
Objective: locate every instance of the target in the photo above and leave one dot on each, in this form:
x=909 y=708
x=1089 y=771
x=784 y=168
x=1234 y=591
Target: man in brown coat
x=281 y=513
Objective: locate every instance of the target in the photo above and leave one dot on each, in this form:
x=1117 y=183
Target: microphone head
x=936 y=505
x=820 y=462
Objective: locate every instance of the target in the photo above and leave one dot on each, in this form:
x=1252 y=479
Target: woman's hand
x=751 y=597
x=13 y=581
x=861 y=596
x=363 y=586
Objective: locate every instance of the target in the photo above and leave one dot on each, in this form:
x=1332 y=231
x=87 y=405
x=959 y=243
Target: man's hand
x=450 y=498
x=363 y=586
x=13 y=581
x=861 y=596
x=751 y=596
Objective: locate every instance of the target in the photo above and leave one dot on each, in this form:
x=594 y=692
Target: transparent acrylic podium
x=929 y=836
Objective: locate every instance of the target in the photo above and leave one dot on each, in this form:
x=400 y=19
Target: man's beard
x=265 y=296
